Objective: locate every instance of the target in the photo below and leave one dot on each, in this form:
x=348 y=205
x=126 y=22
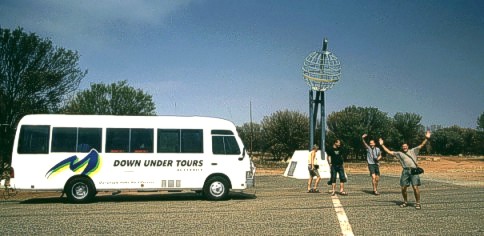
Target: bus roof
x=114 y=121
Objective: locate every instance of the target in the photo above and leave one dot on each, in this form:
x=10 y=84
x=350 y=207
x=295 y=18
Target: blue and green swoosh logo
x=89 y=164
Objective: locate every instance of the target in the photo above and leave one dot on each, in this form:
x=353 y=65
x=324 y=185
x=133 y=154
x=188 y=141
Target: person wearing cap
x=313 y=170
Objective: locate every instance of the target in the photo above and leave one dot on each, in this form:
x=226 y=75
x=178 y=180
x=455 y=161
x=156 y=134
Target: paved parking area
x=447 y=209
x=281 y=206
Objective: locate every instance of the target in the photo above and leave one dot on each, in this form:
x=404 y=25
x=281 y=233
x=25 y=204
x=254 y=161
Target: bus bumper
x=250 y=176
x=250 y=180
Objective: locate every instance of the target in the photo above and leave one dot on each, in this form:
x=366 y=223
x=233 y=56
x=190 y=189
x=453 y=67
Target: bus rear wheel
x=216 y=188
x=80 y=190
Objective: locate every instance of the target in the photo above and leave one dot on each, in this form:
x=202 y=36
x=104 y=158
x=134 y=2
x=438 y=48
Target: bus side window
x=34 y=139
x=117 y=140
x=225 y=145
x=63 y=139
x=218 y=145
x=83 y=147
x=180 y=141
x=192 y=141
x=141 y=140
x=75 y=139
x=168 y=141
x=231 y=145
x=89 y=138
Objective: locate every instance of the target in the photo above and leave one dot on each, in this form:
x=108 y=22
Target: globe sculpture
x=321 y=71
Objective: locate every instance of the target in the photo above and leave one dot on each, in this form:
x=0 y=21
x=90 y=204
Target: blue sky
x=215 y=57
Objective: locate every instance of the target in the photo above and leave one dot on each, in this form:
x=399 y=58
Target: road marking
x=343 y=220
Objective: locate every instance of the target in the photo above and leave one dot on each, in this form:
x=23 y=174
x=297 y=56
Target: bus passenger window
x=34 y=139
x=83 y=147
x=117 y=140
x=192 y=141
x=75 y=139
x=180 y=141
x=168 y=141
x=64 y=139
x=141 y=140
x=89 y=138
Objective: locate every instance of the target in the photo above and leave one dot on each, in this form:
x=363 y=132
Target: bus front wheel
x=216 y=188
x=80 y=190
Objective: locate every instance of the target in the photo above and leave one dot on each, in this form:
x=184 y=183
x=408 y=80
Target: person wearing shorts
x=313 y=170
x=408 y=160
x=373 y=155
x=335 y=161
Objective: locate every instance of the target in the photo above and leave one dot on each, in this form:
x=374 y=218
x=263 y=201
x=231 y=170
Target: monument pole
x=321 y=71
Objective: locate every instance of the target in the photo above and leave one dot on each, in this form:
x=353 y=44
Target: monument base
x=298 y=165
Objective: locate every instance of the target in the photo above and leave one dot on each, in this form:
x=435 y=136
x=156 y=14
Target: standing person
x=408 y=160
x=335 y=161
x=313 y=170
x=5 y=173
x=373 y=155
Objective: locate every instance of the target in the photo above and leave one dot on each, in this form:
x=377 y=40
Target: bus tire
x=216 y=188
x=80 y=190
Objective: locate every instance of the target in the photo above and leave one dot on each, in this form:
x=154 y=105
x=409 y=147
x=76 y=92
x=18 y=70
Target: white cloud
x=70 y=22
x=127 y=11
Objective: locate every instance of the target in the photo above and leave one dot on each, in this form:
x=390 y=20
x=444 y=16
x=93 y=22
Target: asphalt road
x=280 y=206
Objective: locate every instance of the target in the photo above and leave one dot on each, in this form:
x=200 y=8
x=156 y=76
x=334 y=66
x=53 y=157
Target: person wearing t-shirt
x=313 y=170
x=335 y=161
x=408 y=160
x=373 y=155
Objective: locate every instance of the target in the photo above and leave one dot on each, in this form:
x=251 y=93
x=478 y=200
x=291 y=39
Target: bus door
x=226 y=154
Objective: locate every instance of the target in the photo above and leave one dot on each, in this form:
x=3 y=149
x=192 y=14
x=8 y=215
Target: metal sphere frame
x=321 y=71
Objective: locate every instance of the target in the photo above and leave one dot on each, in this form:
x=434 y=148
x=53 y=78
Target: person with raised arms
x=408 y=160
x=373 y=156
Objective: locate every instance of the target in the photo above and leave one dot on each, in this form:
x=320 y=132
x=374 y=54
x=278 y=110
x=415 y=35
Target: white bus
x=81 y=155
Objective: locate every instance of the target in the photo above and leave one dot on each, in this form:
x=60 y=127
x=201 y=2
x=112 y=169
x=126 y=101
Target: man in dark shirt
x=335 y=160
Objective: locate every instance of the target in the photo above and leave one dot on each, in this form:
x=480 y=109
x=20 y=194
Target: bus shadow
x=184 y=196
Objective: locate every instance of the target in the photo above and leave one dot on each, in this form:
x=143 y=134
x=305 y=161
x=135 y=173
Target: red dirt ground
x=465 y=170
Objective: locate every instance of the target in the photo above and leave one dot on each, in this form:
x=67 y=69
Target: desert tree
x=111 y=99
x=251 y=135
x=349 y=124
x=35 y=77
x=448 y=141
x=408 y=127
x=456 y=140
x=284 y=132
x=480 y=122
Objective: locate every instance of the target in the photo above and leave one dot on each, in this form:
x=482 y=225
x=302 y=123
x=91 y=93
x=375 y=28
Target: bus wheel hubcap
x=217 y=188
x=79 y=190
